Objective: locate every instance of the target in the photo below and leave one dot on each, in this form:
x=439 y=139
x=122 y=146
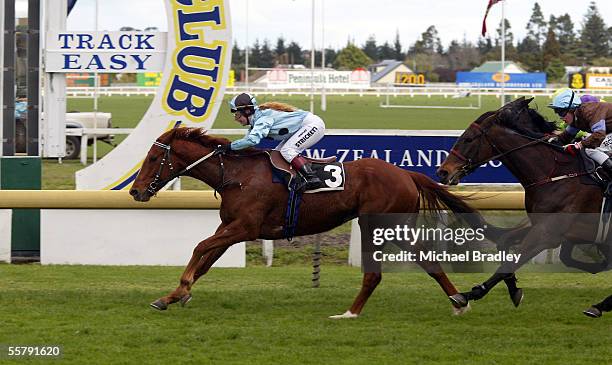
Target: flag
x=484 y=21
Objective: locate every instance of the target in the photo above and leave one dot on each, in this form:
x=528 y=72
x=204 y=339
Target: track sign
x=105 y=51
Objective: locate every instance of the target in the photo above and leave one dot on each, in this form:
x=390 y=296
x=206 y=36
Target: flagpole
x=503 y=55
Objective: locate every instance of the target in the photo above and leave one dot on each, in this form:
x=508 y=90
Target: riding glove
x=572 y=148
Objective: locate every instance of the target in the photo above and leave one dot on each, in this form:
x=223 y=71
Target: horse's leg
x=539 y=238
x=597 y=310
x=222 y=239
x=205 y=264
x=369 y=283
x=435 y=271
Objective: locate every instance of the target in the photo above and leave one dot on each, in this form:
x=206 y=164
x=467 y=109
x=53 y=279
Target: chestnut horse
x=517 y=136
x=253 y=207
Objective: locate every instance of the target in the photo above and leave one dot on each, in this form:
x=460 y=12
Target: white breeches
x=600 y=154
x=312 y=130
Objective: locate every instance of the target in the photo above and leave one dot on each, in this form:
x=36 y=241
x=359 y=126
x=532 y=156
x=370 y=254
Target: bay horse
x=253 y=207
x=518 y=136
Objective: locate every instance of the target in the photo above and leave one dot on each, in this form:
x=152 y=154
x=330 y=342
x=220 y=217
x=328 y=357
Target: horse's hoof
x=159 y=304
x=459 y=300
x=347 y=314
x=185 y=299
x=592 y=312
x=517 y=297
x=461 y=311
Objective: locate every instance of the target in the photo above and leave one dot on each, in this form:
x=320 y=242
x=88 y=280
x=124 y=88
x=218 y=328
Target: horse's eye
x=152 y=158
x=468 y=140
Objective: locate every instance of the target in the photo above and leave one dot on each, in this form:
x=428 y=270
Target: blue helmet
x=244 y=103
x=565 y=100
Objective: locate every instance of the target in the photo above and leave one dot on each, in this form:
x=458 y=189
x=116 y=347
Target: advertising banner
x=599 y=81
x=536 y=80
x=301 y=79
x=105 y=51
x=422 y=154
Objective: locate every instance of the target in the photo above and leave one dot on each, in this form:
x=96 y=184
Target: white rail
x=445 y=90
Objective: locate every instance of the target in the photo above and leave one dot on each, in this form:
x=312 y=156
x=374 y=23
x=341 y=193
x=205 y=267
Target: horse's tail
x=437 y=198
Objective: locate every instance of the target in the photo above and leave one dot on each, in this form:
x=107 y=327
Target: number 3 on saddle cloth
x=330 y=172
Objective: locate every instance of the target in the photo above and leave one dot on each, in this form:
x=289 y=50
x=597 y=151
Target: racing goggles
x=562 y=112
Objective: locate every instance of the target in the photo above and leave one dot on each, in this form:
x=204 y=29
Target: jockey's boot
x=310 y=179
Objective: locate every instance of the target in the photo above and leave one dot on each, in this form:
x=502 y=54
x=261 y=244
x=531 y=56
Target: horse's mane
x=533 y=125
x=199 y=135
x=484 y=116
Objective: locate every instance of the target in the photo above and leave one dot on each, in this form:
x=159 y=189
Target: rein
x=471 y=166
x=159 y=183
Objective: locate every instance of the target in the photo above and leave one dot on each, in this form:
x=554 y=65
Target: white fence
x=445 y=90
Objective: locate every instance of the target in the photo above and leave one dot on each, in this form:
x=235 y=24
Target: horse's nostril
x=133 y=192
x=442 y=173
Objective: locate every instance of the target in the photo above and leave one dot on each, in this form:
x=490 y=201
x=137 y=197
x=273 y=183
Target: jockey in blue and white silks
x=296 y=130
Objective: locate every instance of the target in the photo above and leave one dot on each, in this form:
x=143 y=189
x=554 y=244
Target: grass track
x=270 y=315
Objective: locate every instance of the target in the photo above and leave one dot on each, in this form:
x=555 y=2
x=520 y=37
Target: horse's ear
x=526 y=102
x=513 y=104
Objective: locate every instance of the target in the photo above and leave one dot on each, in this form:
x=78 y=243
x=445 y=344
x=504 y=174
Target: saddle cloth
x=330 y=172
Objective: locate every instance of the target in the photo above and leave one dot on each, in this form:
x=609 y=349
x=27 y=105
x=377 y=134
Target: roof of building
x=496 y=66
x=389 y=66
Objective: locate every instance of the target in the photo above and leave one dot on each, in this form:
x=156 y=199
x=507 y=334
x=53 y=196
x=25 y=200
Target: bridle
x=470 y=166
x=159 y=183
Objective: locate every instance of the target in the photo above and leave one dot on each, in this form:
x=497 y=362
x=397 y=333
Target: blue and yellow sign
x=534 y=80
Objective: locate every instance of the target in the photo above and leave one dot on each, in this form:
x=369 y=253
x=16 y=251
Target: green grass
x=343 y=112
x=261 y=315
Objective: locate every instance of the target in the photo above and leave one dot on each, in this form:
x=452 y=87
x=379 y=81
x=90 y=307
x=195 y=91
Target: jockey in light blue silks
x=296 y=130
x=590 y=116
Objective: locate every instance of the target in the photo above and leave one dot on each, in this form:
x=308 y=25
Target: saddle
x=327 y=169
x=330 y=172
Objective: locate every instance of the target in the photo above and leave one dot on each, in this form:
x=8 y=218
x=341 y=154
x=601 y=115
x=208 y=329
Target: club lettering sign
x=194 y=60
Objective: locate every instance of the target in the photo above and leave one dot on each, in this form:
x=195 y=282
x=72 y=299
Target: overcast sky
x=344 y=19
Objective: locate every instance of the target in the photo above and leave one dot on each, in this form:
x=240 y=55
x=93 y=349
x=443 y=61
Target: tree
x=385 y=52
x=397 y=47
x=555 y=70
x=370 y=48
x=429 y=42
x=330 y=56
x=536 y=26
x=529 y=54
x=509 y=35
x=551 y=49
x=266 y=56
x=485 y=45
x=594 y=35
x=462 y=56
x=281 y=51
x=511 y=52
x=255 y=55
x=237 y=57
x=351 y=58
x=295 y=54
x=564 y=29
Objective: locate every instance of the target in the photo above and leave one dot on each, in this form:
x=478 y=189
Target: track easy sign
x=105 y=51
x=194 y=75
